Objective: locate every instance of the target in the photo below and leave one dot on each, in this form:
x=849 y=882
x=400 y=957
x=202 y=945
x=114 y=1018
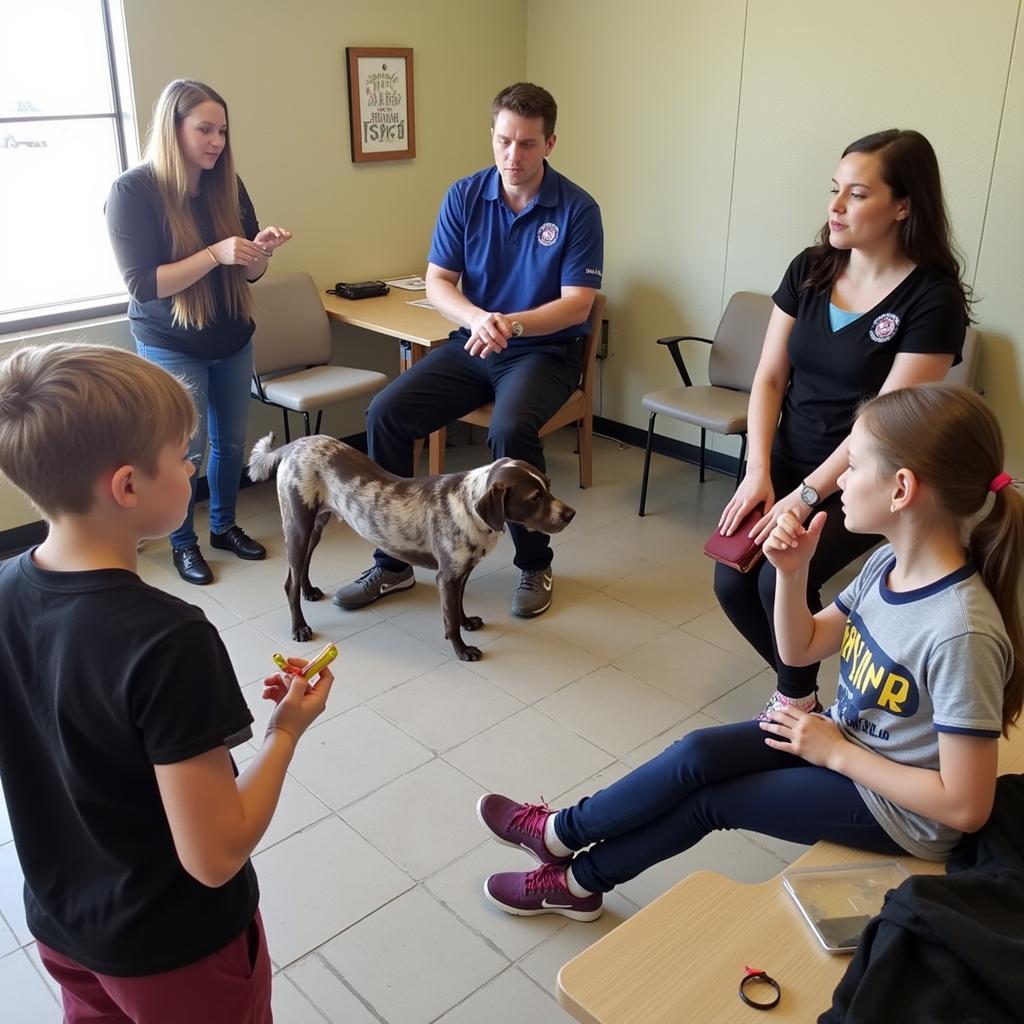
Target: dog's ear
x=491 y=507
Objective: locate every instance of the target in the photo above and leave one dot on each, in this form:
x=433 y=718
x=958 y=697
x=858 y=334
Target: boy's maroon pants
x=231 y=985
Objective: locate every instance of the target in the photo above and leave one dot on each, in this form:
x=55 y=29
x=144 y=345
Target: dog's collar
x=480 y=522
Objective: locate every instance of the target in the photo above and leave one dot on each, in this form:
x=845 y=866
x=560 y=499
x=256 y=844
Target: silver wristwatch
x=808 y=495
x=517 y=329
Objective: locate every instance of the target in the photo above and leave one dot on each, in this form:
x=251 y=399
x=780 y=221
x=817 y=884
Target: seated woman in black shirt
x=879 y=303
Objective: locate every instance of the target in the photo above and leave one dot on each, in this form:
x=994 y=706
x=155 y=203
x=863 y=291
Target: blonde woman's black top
x=141 y=238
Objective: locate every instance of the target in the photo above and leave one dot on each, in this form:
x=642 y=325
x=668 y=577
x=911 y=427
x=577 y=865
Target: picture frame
x=382 y=115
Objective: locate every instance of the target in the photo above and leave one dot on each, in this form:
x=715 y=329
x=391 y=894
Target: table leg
x=411 y=354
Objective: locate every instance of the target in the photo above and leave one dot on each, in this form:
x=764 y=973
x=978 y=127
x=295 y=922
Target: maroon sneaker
x=520 y=825
x=542 y=891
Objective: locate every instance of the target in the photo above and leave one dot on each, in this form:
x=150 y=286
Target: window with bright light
x=62 y=143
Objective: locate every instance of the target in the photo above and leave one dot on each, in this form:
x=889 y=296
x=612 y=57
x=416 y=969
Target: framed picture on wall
x=381 y=109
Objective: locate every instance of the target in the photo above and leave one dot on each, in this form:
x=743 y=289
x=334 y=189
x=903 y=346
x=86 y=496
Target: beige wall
x=709 y=132
x=281 y=68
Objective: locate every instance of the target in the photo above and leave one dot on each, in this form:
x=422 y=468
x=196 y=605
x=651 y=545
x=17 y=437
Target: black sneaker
x=374 y=584
x=191 y=565
x=235 y=539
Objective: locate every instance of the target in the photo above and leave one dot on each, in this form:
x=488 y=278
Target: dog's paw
x=470 y=654
x=301 y=634
x=312 y=594
x=472 y=622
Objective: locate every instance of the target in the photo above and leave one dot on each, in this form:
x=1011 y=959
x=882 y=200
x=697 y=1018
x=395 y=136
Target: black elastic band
x=756 y=975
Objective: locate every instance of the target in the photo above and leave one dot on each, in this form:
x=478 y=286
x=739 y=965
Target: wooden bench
x=681 y=958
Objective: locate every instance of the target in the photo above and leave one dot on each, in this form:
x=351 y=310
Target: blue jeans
x=723 y=777
x=221 y=390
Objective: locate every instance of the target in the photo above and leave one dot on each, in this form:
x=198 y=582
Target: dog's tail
x=264 y=458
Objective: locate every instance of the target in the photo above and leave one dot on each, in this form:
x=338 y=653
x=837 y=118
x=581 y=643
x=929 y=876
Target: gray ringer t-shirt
x=912 y=665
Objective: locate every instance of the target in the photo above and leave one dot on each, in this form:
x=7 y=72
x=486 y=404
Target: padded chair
x=721 y=405
x=578 y=407
x=292 y=349
x=964 y=372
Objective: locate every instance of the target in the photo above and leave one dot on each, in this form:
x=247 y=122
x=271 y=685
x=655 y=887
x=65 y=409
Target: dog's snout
x=568 y=514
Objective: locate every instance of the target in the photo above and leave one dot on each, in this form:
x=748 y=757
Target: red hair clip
x=999 y=481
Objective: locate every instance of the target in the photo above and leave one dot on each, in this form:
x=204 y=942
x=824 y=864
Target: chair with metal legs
x=292 y=351
x=720 y=405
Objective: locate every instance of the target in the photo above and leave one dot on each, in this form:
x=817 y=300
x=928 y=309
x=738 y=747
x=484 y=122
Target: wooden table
x=681 y=958
x=417 y=329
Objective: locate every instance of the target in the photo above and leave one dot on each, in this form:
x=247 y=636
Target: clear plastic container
x=837 y=902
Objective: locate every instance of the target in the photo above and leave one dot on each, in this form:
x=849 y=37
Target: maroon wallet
x=737 y=551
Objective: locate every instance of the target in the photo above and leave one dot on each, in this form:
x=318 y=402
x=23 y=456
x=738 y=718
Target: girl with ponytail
x=931 y=653
x=188 y=244
x=950 y=441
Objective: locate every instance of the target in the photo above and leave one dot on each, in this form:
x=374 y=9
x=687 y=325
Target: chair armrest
x=677 y=356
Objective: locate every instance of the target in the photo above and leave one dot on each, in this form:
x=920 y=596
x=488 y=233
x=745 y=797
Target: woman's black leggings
x=748 y=599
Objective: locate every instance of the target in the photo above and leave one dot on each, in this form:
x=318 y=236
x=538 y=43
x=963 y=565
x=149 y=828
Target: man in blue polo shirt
x=528 y=247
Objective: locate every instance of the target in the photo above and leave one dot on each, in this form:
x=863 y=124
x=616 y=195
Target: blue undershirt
x=840 y=318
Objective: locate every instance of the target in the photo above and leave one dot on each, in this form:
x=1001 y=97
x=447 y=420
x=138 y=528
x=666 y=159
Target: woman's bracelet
x=216 y=262
x=267 y=253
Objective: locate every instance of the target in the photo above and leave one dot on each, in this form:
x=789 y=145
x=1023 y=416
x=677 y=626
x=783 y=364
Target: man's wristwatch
x=517 y=329
x=809 y=496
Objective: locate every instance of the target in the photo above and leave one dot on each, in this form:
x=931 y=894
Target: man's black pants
x=528 y=386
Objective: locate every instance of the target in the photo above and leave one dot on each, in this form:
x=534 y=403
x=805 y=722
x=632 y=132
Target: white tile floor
x=371 y=872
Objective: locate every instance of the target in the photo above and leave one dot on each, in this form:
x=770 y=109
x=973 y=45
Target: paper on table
x=422 y=303
x=409 y=284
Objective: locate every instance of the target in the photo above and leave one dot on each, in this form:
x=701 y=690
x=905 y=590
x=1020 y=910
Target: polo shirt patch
x=884 y=327
x=547 y=233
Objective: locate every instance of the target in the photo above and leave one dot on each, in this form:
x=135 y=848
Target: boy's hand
x=298 y=702
x=813 y=737
x=790 y=546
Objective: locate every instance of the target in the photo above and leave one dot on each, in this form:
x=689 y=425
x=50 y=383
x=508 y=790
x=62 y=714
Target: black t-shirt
x=834 y=371
x=141 y=238
x=103 y=677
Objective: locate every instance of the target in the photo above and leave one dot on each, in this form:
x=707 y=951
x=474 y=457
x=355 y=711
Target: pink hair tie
x=999 y=482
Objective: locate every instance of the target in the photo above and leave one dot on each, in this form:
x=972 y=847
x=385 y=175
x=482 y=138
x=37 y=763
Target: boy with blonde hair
x=120 y=706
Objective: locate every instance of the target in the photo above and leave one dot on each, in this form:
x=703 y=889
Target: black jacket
x=948 y=949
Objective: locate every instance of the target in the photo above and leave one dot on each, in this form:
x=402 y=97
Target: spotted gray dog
x=447 y=523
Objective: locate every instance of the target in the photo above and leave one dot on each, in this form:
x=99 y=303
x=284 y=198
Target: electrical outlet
x=602 y=341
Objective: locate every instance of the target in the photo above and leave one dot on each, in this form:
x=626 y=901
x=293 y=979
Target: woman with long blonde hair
x=188 y=244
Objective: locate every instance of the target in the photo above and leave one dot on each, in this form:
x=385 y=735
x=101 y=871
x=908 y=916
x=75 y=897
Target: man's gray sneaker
x=374 y=584
x=533 y=595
